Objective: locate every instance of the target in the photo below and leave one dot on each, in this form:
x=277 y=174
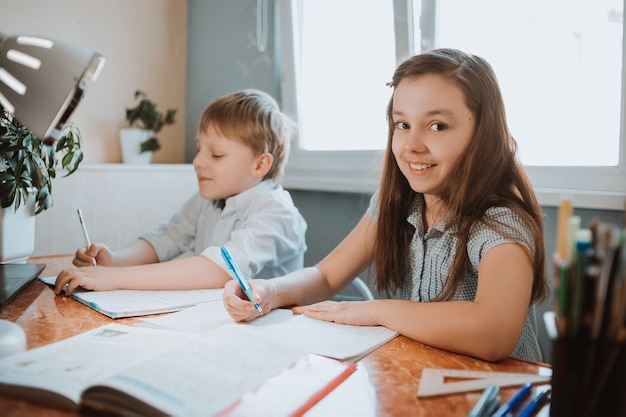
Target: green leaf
x=146 y=115
x=61 y=143
x=72 y=165
x=27 y=163
x=7 y=189
x=149 y=145
x=43 y=200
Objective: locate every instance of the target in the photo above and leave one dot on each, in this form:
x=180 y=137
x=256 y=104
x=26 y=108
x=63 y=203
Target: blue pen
x=532 y=406
x=514 y=401
x=239 y=276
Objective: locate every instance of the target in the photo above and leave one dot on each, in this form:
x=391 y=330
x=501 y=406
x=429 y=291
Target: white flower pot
x=17 y=232
x=130 y=140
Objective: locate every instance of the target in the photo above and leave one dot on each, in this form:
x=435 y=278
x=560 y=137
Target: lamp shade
x=43 y=80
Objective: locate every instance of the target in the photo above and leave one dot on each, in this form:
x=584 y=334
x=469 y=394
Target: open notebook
x=130 y=303
x=15 y=277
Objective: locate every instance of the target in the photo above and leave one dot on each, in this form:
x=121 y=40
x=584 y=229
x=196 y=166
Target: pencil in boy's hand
x=85 y=234
x=82 y=225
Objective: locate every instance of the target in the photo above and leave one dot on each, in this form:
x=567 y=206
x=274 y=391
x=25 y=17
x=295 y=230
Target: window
x=559 y=64
x=327 y=120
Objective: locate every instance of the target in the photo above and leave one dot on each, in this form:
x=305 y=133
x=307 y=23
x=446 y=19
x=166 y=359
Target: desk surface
x=394 y=369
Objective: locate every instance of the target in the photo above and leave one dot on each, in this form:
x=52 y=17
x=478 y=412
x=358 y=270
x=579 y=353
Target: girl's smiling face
x=433 y=126
x=224 y=167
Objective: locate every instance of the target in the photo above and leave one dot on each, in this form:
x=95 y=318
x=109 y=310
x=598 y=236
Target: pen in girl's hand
x=243 y=283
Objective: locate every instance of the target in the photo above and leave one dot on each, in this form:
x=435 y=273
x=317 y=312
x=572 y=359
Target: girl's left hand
x=357 y=313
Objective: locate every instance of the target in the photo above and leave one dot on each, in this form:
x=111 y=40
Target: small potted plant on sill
x=27 y=166
x=139 y=141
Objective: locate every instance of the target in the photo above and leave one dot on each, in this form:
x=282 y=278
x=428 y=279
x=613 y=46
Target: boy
x=243 y=142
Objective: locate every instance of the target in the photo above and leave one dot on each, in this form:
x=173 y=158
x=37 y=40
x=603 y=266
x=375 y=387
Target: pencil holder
x=588 y=378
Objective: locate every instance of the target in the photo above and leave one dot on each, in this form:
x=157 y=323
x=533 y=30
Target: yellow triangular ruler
x=433 y=380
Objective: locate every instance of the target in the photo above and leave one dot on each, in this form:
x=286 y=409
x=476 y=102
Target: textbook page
x=300 y=387
x=130 y=303
x=339 y=341
x=198 y=378
x=64 y=369
x=146 y=371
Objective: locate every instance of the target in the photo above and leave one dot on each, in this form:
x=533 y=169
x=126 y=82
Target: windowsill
x=345 y=183
x=121 y=167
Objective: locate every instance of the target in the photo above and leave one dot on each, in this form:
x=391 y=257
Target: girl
x=454 y=229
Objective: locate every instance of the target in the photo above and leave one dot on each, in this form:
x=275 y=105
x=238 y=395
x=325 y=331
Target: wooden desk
x=394 y=369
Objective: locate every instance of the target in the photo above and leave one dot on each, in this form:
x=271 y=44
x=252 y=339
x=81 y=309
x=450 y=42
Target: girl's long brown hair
x=488 y=175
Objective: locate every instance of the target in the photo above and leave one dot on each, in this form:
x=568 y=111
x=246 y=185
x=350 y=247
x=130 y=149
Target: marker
x=551 y=323
x=486 y=403
x=565 y=212
x=514 y=401
x=82 y=225
x=583 y=246
x=532 y=406
x=243 y=283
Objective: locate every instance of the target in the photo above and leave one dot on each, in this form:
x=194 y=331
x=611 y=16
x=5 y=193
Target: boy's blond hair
x=254 y=118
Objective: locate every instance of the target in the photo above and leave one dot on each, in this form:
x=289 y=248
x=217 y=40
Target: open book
x=149 y=371
x=130 y=303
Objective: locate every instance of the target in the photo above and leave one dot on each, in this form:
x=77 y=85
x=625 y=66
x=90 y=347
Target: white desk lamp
x=43 y=80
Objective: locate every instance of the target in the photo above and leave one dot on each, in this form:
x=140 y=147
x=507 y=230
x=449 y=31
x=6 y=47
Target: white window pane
x=348 y=55
x=559 y=64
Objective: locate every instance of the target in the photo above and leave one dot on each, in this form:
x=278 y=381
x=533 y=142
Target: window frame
x=358 y=171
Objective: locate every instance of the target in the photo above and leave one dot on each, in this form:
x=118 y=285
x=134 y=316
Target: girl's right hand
x=238 y=305
x=96 y=254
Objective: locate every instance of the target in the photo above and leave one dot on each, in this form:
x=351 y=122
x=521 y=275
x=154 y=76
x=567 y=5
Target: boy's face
x=224 y=167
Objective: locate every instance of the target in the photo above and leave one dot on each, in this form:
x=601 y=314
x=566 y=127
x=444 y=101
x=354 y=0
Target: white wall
x=118 y=201
x=144 y=43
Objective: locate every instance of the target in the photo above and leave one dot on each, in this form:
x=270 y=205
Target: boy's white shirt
x=261 y=227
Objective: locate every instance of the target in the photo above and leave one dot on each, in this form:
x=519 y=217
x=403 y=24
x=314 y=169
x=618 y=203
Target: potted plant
x=27 y=166
x=145 y=120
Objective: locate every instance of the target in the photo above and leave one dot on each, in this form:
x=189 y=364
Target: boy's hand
x=96 y=254
x=89 y=279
